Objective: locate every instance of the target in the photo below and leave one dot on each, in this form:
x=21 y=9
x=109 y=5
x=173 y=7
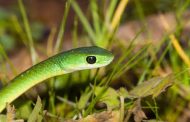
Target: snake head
x=87 y=58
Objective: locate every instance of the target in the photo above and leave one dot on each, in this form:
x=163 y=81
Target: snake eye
x=91 y=59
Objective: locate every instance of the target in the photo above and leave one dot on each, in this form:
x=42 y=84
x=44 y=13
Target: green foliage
x=138 y=70
x=84 y=98
x=3 y=118
x=101 y=32
x=152 y=87
x=108 y=96
x=35 y=116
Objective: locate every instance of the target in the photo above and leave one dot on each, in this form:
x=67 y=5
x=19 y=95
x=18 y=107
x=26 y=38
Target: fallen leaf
x=152 y=87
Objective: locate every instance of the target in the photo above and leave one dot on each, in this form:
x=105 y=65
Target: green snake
x=62 y=63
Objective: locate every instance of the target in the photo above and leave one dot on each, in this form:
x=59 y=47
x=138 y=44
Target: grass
x=28 y=32
x=144 y=76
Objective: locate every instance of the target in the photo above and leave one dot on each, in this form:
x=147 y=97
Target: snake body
x=62 y=63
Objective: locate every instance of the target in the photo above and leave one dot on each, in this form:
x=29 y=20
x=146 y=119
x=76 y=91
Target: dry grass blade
x=175 y=42
x=118 y=13
x=106 y=116
x=10 y=113
x=137 y=111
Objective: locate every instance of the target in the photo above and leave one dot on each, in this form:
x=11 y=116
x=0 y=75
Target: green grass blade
x=84 y=21
x=28 y=32
x=59 y=42
x=4 y=55
x=117 y=67
x=75 y=34
x=150 y=61
x=95 y=16
x=111 y=9
x=109 y=16
x=134 y=60
x=19 y=29
x=182 y=9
